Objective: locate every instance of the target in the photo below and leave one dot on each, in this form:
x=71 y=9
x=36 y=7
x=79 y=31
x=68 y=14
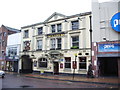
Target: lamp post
x=90 y=38
x=74 y=65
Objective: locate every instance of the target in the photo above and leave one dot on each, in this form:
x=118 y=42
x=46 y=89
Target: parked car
x=2 y=74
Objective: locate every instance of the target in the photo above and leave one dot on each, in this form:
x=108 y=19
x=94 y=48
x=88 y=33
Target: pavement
x=77 y=78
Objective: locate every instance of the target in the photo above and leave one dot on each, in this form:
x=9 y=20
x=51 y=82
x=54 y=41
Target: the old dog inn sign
x=115 y=22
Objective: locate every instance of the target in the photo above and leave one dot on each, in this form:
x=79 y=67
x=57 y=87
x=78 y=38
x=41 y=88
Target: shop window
x=40 y=30
x=67 y=62
x=43 y=62
x=82 y=63
x=75 y=25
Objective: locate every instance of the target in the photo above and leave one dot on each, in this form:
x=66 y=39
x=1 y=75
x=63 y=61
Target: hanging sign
x=115 y=22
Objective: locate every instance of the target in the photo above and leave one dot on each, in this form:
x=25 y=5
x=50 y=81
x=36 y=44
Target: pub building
x=59 y=45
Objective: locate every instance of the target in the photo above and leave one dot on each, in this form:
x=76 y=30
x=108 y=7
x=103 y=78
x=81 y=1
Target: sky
x=19 y=13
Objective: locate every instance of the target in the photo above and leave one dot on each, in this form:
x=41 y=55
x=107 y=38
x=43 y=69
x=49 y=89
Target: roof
x=55 y=13
x=11 y=29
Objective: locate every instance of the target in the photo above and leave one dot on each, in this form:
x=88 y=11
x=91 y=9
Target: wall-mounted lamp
x=65 y=20
x=79 y=19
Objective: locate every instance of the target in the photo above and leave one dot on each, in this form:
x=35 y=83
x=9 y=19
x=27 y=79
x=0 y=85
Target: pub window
x=26 y=33
x=75 y=41
x=53 y=28
x=75 y=25
x=82 y=63
x=59 y=27
x=40 y=30
x=35 y=63
x=59 y=43
x=39 y=44
x=43 y=62
x=67 y=62
x=53 y=43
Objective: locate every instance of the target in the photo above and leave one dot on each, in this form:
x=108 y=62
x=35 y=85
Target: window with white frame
x=53 y=43
x=35 y=63
x=53 y=28
x=58 y=43
x=43 y=62
x=59 y=27
x=39 y=44
x=75 y=25
x=75 y=41
x=40 y=30
x=56 y=28
x=26 y=34
x=67 y=62
x=82 y=63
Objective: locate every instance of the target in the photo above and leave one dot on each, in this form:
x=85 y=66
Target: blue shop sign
x=115 y=22
x=109 y=47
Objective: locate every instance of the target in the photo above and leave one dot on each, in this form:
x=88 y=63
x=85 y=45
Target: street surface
x=17 y=81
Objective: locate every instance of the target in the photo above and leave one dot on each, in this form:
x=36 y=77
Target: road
x=18 y=81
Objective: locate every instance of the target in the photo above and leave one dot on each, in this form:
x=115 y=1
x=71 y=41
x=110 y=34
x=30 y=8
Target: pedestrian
x=90 y=72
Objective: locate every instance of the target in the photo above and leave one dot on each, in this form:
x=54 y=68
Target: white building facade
x=60 y=44
x=12 y=52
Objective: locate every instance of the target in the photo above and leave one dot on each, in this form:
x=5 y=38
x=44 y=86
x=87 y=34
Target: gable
x=55 y=16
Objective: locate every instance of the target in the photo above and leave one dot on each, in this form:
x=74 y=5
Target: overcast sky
x=19 y=13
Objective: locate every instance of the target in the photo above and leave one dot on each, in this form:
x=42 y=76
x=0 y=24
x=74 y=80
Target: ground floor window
x=35 y=63
x=82 y=63
x=67 y=62
x=43 y=62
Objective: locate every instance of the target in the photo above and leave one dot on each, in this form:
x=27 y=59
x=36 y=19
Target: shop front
x=109 y=58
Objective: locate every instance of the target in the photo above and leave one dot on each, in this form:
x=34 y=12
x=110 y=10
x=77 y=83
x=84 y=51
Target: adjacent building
x=12 y=52
x=106 y=38
x=4 y=32
x=60 y=44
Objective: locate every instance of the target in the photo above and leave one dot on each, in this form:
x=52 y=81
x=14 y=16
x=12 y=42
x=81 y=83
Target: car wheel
x=3 y=76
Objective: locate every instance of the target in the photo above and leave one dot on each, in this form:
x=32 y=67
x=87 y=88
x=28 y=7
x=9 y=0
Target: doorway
x=26 y=64
x=108 y=66
x=56 y=68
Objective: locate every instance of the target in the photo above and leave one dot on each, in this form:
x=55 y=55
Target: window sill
x=39 y=50
x=52 y=49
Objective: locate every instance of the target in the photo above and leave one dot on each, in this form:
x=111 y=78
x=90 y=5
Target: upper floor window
x=39 y=44
x=53 y=28
x=59 y=27
x=53 y=43
x=75 y=42
x=68 y=62
x=26 y=34
x=75 y=25
x=12 y=51
x=4 y=34
x=56 y=43
x=56 y=28
x=59 y=43
x=40 y=30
